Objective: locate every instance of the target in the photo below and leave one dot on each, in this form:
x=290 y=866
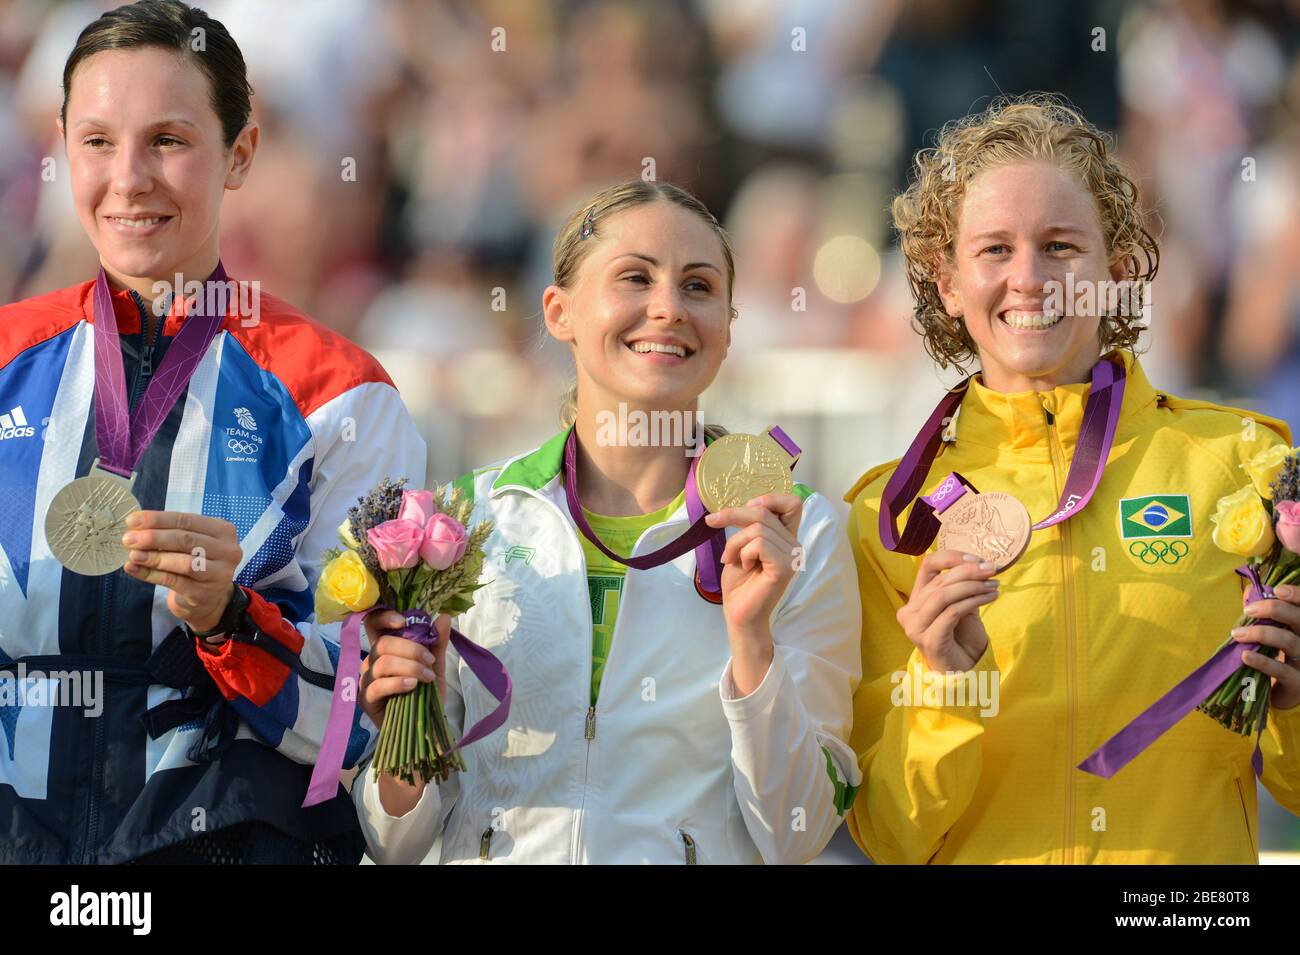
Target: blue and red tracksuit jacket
x=283 y=425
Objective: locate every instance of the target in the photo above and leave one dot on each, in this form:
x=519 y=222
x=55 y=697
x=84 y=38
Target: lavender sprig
x=383 y=503
x=1286 y=486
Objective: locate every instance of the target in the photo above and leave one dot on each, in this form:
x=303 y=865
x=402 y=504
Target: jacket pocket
x=1245 y=812
x=690 y=848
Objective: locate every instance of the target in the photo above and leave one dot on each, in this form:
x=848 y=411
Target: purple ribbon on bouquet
x=419 y=627
x=1158 y=718
x=707 y=542
x=1096 y=437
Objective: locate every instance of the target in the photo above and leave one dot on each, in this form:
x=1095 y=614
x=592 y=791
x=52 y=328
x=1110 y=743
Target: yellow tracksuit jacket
x=1101 y=616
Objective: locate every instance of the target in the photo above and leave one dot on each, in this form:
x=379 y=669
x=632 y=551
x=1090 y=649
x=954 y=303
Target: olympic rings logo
x=1158 y=551
x=241 y=447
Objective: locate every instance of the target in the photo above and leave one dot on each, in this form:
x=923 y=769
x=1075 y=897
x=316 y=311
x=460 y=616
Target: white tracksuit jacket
x=668 y=767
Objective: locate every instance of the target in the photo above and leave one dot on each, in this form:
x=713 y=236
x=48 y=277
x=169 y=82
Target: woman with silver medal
x=171 y=551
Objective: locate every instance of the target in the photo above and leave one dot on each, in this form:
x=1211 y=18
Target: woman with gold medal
x=680 y=696
x=178 y=460
x=1039 y=623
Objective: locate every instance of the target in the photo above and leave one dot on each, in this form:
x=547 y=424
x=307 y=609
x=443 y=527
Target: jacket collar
x=1017 y=420
x=536 y=469
x=129 y=308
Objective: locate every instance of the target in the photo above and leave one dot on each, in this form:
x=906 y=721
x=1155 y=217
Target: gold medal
x=994 y=526
x=739 y=467
x=86 y=520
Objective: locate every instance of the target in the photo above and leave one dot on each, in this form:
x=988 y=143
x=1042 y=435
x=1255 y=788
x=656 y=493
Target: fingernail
x=427 y=674
x=1237 y=632
x=128 y=540
x=986 y=565
x=428 y=658
x=138 y=556
x=991 y=584
x=970 y=557
x=1253 y=609
x=1285 y=591
x=409 y=682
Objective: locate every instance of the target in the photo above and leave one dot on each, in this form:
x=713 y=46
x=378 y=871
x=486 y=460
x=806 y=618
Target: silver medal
x=86 y=521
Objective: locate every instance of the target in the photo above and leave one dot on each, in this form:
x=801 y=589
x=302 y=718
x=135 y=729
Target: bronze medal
x=994 y=526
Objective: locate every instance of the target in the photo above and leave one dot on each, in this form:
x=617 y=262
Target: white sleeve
x=795 y=774
x=408 y=839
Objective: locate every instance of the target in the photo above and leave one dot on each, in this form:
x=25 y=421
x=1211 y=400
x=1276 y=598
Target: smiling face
x=148 y=163
x=1020 y=227
x=648 y=314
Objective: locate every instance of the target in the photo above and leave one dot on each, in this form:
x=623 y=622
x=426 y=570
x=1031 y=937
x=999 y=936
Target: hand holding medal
x=194 y=556
x=941 y=616
x=758 y=561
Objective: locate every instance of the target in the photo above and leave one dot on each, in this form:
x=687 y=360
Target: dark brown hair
x=174 y=26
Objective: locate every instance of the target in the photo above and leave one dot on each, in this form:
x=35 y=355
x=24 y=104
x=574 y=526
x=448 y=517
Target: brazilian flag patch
x=1156 y=515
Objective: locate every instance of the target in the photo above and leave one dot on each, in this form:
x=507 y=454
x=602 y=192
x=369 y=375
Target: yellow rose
x=345 y=586
x=1264 y=466
x=345 y=534
x=1241 y=525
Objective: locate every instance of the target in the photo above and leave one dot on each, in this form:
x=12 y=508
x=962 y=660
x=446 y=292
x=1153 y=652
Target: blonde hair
x=1013 y=129
x=571 y=248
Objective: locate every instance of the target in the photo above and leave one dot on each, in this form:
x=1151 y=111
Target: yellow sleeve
x=920 y=763
x=1280 y=745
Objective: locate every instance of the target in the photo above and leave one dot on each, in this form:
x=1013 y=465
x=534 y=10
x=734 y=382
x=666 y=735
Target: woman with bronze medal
x=1054 y=572
x=681 y=695
x=182 y=439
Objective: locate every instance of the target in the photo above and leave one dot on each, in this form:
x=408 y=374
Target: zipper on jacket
x=1057 y=453
x=485 y=844
x=689 y=842
x=108 y=604
x=148 y=338
x=589 y=724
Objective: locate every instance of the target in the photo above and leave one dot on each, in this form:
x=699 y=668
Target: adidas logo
x=14 y=425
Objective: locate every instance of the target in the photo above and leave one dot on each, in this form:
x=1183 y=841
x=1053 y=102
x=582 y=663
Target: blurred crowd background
x=475 y=128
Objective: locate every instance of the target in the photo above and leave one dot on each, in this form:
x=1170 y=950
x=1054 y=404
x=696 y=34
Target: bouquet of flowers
x=1260 y=522
x=409 y=551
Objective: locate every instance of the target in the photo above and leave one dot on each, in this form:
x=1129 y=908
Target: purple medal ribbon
x=707 y=542
x=1157 y=719
x=419 y=627
x=121 y=439
x=1096 y=436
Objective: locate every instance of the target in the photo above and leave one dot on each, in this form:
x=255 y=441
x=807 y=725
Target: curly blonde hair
x=1013 y=129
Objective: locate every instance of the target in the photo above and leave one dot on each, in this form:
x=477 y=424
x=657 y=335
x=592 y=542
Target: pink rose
x=417 y=506
x=444 y=542
x=1288 y=524
x=396 y=543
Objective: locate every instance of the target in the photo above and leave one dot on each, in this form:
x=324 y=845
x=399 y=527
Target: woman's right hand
x=942 y=615
x=395 y=665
